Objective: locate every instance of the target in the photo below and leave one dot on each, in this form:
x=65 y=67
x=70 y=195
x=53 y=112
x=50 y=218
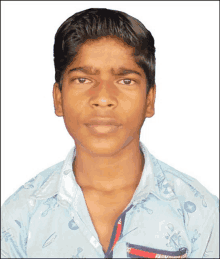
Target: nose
x=104 y=96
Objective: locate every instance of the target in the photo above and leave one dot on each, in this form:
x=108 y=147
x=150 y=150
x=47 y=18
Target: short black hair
x=95 y=23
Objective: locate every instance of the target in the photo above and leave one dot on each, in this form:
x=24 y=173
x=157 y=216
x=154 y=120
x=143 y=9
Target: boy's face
x=124 y=96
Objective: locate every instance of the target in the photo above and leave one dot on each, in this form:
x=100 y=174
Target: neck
x=109 y=174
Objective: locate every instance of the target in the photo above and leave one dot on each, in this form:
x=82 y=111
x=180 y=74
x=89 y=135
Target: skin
x=111 y=161
x=106 y=166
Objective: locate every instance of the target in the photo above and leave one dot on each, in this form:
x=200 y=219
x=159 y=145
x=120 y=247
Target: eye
x=127 y=81
x=81 y=80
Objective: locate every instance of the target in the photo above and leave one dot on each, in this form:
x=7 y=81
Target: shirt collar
x=64 y=183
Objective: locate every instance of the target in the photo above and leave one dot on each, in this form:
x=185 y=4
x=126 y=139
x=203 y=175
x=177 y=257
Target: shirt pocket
x=137 y=251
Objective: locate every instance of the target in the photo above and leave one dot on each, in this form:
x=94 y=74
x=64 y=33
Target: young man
x=110 y=197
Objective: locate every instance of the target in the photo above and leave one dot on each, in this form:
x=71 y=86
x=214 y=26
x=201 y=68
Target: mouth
x=102 y=129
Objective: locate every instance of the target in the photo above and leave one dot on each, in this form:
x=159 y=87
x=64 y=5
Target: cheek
x=69 y=106
x=140 y=114
x=71 y=103
x=134 y=107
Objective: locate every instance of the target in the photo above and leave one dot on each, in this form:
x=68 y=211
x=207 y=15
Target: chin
x=101 y=147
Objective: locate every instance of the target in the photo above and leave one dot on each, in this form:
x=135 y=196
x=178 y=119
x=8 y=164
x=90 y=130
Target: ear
x=57 y=98
x=150 y=102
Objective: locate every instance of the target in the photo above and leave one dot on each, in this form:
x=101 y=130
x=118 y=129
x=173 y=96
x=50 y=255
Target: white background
x=184 y=131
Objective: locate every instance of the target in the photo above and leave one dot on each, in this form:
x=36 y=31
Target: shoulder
x=21 y=202
x=190 y=192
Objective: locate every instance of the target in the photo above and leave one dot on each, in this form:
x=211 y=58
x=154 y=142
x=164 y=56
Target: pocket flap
x=137 y=251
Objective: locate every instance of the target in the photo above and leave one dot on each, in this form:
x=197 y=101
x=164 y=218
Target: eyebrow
x=89 y=70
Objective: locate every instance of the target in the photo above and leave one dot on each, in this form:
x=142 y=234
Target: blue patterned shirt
x=171 y=215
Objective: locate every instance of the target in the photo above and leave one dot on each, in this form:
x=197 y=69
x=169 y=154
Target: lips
x=102 y=129
x=103 y=121
x=103 y=125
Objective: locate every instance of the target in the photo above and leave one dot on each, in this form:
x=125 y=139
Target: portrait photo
x=110 y=129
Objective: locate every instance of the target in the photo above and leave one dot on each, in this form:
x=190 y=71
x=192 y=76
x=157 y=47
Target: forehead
x=107 y=40
x=111 y=47
x=105 y=53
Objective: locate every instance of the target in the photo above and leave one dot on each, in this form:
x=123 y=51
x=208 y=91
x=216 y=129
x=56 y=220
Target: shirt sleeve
x=13 y=236
x=212 y=248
